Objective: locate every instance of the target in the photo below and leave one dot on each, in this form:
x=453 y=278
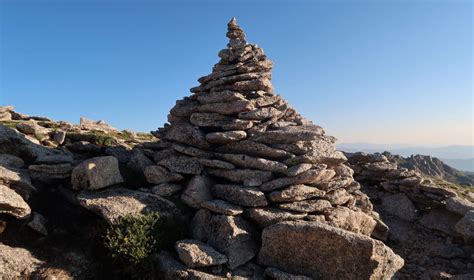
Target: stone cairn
x=264 y=181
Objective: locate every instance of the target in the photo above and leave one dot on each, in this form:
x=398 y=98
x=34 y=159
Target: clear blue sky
x=367 y=71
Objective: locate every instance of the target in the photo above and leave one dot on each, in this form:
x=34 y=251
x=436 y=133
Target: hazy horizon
x=366 y=71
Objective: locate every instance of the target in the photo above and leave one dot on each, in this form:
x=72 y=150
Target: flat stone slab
x=225 y=137
x=254 y=163
x=240 y=195
x=249 y=177
x=215 y=163
x=157 y=174
x=253 y=148
x=114 y=203
x=311 y=176
x=296 y=193
x=194 y=253
x=12 y=203
x=222 y=207
x=181 y=164
x=264 y=217
x=306 y=206
x=166 y=189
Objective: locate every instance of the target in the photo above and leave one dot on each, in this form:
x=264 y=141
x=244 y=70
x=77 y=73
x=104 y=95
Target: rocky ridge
x=427 y=222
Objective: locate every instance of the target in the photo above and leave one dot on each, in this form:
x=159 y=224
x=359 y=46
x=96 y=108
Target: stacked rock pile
x=264 y=180
x=431 y=227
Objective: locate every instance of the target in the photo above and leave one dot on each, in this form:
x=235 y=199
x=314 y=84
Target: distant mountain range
x=458 y=156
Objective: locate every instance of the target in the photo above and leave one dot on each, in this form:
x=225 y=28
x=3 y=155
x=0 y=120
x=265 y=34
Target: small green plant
x=133 y=240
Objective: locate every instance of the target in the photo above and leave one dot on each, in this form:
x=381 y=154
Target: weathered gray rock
x=276 y=274
x=10 y=161
x=264 y=217
x=291 y=246
x=436 y=190
x=255 y=163
x=260 y=114
x=6 y=113
x=440 y=220
x=200 y=224
x=139 y=162
x=222 y=207
x=465 y=227
x=355 y=221
x=166 y=189
x=194 y=253
x=50 y=172
x=225 y=137
x=458 y=205
x=18 y=180
x=227 y=108
x=185 y=133
x=308 y=177
x=295 y=193
x=171 y=269
x=234 y=237
x=197 y=191
x=12 y=142
x=337 y=183
x=191 y=151
x=298 y=169
x=220 y=97
x=59 y=136
x=88 y=124
x=400 y=206
x=215 y=163
x=248 y=177
x=156 y=175
x=287 y=135
x=13 y=204
x=17 y=263
x=338 y=197
x=252 y=148
x=54 y=159
x=32 y=128
x=306 y=206
x=96 y=173
x=181 y=164
x=240 y=195
x=221 y=121
x=38 y=224
x=114 y=203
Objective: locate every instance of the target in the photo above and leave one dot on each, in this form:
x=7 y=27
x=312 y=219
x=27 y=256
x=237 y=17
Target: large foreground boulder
x=325 y=252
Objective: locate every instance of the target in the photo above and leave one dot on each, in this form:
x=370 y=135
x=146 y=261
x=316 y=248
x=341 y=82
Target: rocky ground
x=263 y=191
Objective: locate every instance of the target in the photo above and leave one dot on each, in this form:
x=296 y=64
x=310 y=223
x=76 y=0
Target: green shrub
x=133 y=240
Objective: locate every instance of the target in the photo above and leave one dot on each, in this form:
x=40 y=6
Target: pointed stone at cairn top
x=235 y=34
